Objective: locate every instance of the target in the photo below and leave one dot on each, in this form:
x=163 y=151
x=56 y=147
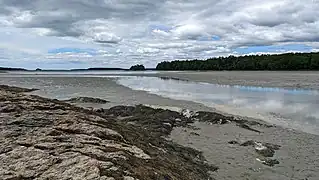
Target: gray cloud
x=167 y=28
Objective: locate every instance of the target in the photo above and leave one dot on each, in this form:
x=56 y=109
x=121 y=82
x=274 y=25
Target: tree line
x=288 y=61
x=137 y=67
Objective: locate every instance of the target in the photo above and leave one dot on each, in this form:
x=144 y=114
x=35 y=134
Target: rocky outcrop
x=162 y=121
x=159 y=121
x=15 y=89
x=87 y=100
x=217 y=118
x=48 y=139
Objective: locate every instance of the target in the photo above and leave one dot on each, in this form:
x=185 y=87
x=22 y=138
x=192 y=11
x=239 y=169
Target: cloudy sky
x=119 y=33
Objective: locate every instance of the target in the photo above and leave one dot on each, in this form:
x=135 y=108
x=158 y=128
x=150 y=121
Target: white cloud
x=147 y=50
x=189 y=31
x=120 y=31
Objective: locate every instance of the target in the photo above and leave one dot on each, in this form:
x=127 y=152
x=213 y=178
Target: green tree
x=138 y=67
x=288 y=61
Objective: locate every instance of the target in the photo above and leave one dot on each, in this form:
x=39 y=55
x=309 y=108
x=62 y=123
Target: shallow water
x=293 y=108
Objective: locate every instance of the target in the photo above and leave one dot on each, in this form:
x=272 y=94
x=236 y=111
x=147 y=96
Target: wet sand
x=284 y=79
x=298 y=155
x=299 y=152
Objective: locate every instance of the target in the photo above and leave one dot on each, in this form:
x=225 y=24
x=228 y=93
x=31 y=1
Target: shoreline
x=210 y=144
x=279 y=79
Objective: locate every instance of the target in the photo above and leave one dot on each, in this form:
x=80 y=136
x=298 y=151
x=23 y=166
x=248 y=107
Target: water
x=293 y=108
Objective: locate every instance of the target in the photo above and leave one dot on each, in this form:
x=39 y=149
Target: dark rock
x=217 y=118
x=172 y=78
x=266 y=152
x=245 y=126
x=16 y=89
x=100 y=110
x=10 y=108
x=194 y=134
x=160 y=121
x=56 y=140
x=272 y=146
x=233 y=142
x=263 y=149
x=270 y=162
x=248 y=143
x=212 y=117
x=87 y=100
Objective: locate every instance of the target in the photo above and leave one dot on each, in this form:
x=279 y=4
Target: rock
x=128 y=178
x=16 y=89
x=248 y=143
x=212 y=117
x=159 y=116
x=160 y=121
x=268 y=162
x=87 y=100
x=99 y=110
x=216 y=118
x=245 y=126
x=187 y=113
x=51 y=139
x=178 y=120
x=10 y=108
x=263 y=149
x=271 y=162
x=194 y=134
x=233 y=142
x=167 y=125
x=272 y=146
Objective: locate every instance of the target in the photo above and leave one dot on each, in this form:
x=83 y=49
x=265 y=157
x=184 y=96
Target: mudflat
x=284 y=79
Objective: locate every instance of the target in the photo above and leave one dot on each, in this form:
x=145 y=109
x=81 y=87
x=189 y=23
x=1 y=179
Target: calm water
x=293 y=108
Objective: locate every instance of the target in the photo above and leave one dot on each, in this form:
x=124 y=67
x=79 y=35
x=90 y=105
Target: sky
x=65 y=34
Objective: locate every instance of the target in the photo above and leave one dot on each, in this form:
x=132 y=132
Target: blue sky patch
x=274 y=48
x=72 y=50
x=160 y=27
x=207 y=38
x=215 y=38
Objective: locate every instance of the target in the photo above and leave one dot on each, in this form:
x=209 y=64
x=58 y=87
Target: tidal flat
x=230 y=129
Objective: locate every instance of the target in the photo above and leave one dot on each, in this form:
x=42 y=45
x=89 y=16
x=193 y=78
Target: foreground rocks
x=48 y=139
x=162 y=121
x=15 y=89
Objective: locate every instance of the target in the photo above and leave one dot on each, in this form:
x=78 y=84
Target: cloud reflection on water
x=294 y=108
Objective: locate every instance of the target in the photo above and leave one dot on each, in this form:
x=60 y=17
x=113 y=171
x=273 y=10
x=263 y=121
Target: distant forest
x=288 y=61
x=11 y=69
